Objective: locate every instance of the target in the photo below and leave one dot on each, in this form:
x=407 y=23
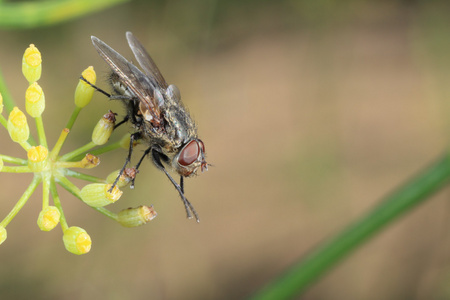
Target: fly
x=156 y=114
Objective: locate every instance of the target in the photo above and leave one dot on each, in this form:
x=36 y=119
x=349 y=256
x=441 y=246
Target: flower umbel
x=50 y=168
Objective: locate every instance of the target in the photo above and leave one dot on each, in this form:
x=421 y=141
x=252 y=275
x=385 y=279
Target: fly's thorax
x=179 y=125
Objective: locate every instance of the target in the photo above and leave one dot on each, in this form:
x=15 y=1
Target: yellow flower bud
x=1 y=164
x=124 y=179
x=1 y=103
x=104 y=129
x=48 y=218
x=34 y=100
x=32 y=64
x=98 y=195
x=3 y=234
x=125 y=141
x=37 y=158
x=84 y=92
x=76 y=240
x=132 y=217
x=17 y=126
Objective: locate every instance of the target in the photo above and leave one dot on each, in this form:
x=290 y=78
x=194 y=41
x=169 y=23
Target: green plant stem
x=32 y=14
x=99 y=150
x=26 y=195
x=58 y=205
x=14 y=160
x=305 y=272
x=107 y=213
x=69 y=186
x=7 y=99
x=3 y=121
x=79 y=151
x=75 y=174
x=41 y=131
x=73 y=117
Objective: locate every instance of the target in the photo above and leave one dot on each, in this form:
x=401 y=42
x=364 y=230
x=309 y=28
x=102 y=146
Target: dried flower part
x=34 y=100
x=48 y=218
x=132 y=217
x=32 y=64
x=84 y=92
x=1 y=103
x=90 y=161
x=104 y=128
x=98 y=195
x=3 y=234
x=17 y=126
x=127 y=176
x=76 y=240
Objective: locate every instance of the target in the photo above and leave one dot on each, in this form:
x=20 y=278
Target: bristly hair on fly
x=157 y=115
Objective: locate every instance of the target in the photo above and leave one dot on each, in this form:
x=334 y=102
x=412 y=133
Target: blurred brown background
x=311 y=111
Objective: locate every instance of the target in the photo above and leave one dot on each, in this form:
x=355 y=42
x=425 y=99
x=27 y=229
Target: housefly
x=157 y=115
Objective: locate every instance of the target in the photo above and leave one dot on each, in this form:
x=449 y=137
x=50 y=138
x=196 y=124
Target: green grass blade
x=312 y=267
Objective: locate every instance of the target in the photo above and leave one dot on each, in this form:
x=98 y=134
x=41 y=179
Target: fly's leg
x=146 y=152
x=122 y=122
x=134 y=137
x=95 y=87
x=111 y=97
x=188 y=206
x=182 y=184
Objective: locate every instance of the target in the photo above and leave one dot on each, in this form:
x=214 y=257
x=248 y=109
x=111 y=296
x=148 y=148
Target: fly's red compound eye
x=202 y=146
x=189 y=154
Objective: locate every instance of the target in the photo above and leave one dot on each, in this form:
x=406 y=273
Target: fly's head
x=190 y=158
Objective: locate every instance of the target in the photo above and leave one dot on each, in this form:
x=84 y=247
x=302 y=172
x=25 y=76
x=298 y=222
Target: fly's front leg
x=134 y=137
x=95 y=87
x=156 y=157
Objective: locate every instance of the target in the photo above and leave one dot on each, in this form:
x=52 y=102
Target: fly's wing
x=136 y=81
x=146 y=62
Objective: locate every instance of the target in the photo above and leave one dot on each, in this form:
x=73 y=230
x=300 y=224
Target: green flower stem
x=41 y=132
x=69 y=186
x=305 y=272
x=32 y=14
x=25 y=145
x=79 y=151
x=26 y=195
x=58 y=205
x=46 y=177
x=13 y=160
x=19 y=169
x=62 y=138
x=7 y=99
x=107 y=213
x=74 y=190
x=100 y=150
x=3 y=121
x=74 y=174
x=73 y=117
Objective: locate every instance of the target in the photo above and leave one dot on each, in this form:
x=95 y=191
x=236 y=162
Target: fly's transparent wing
x=136 y=81
x=146 y=62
